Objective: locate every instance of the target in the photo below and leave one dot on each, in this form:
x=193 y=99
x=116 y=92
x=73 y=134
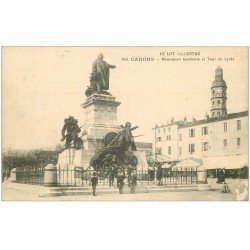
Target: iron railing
x=80 y=177
x=30 y=175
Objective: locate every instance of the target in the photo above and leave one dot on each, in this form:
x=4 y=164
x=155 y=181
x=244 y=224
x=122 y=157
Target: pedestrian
x=221 y=176
x=120 y=180
x=111 y=176
x=129 y=171
x=159 y=175
x=151 y=173
x=133 y=182
x=94 y=182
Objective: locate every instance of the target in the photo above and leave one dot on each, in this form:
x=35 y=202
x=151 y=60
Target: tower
x=218 y=94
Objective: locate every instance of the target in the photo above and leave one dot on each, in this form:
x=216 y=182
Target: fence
x=30 y=175
x=80 y=177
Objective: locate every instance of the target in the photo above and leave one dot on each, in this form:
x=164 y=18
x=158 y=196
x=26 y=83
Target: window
x=238 y=142
x=218 y=113
x=225 y=126
x=238 y=124
x=180 y=150
x=169 y=150
x=205 y=146
x=164 y=130
x=191 y=148
x=180 y=137
x=204 y=130
x=218 y=102
x=168 y=137
x=225 y=143
x=191 y=132
x=158 y=151
x=169 y=129
x=158 y=138
x=213 y=103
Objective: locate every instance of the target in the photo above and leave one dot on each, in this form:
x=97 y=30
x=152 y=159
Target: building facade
x=218 y=135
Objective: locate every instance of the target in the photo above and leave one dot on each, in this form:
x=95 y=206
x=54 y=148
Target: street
x=238 y=188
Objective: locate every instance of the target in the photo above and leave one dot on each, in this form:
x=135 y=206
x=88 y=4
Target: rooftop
x=215 y=119
x=182 y=124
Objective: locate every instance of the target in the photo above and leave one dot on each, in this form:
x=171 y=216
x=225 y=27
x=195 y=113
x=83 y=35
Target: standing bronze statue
x=72 y=129
x=99 y=79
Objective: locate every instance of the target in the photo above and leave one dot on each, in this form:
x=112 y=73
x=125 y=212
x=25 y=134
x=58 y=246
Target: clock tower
x=218 y=94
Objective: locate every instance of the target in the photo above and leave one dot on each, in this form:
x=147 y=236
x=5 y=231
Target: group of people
x=156 y=169
x=221 y=176
x=120 y=176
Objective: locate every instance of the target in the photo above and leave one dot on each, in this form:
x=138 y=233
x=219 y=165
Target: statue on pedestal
x=99 y=78
x=72 y=128
x=119 y=146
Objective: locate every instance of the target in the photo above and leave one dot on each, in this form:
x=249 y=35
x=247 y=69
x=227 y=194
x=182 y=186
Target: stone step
x=71 y=191
x=115 y=187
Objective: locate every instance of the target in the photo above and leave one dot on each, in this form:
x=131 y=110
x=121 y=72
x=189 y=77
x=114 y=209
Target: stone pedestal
x=50 y=175
x=100 y=110
x=67 y=158
x=13 y=175
x=100 y=119
x=142 y=162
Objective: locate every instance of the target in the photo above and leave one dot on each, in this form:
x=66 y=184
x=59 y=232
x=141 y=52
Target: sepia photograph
x=125 y=123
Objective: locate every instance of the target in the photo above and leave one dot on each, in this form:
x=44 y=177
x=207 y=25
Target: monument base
x=72 y=158
x=142 y=161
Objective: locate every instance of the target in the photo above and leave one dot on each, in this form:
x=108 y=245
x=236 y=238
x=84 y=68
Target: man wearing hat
x=120 y=180
x=94 y=182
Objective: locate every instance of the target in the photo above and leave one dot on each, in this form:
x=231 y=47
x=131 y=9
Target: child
x=94 y=182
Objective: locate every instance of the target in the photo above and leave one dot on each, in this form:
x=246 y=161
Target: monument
x=100 y=126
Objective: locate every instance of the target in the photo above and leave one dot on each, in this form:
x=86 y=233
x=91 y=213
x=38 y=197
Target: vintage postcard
x=125 y=123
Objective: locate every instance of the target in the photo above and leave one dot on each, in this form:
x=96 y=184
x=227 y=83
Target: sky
x=43 y=85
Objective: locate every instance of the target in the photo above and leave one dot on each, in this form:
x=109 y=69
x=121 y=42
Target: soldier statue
x=99 y=78
x=72 y=129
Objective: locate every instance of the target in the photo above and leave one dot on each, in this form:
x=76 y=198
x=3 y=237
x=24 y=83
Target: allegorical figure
x=128 y=137
x=72 y=129
x=99 y=79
